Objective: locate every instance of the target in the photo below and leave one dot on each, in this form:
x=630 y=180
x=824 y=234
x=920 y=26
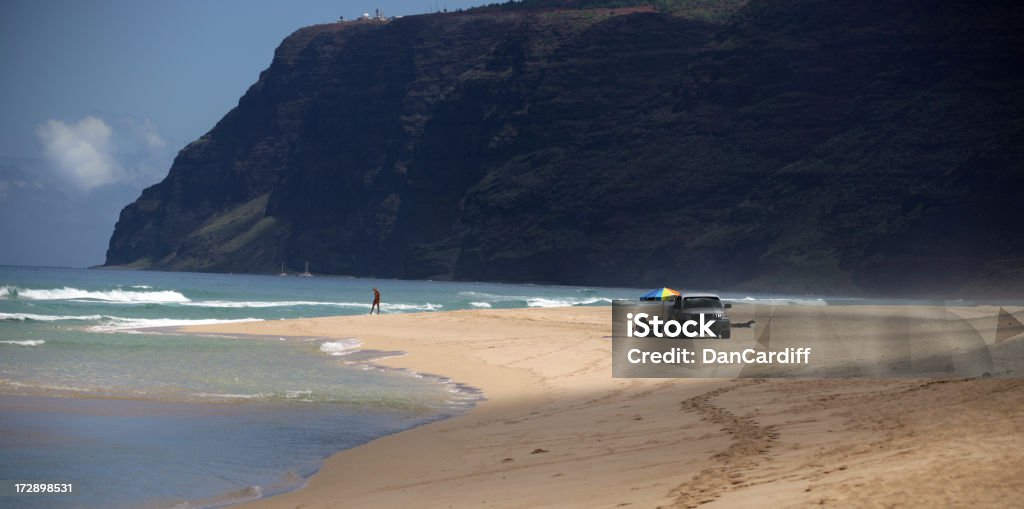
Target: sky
x=98 y=96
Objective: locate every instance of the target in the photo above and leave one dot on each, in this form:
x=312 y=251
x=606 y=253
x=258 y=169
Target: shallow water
x=137 y=453
x=144 y=419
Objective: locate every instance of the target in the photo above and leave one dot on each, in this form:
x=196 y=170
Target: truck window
x=701 y=302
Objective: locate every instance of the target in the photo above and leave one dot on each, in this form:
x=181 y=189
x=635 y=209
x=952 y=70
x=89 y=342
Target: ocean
x=142 y=418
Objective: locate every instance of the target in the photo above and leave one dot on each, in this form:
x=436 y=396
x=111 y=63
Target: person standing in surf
x=376 y=301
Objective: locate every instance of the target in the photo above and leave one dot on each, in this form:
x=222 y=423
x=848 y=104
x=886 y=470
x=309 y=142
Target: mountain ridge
x=794 y=145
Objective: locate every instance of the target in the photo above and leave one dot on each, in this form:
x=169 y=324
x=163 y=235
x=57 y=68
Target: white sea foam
x=47 y=318
x=411 y=307
x=44 y=386
x=540 y=302
x=340 y=347
x=118 y=324
x=809 y=302
x=491 y=297
x=23 y=342
x=270 y=304
x=216 y=395
x=234 y=497
x=784 y=301
x=291 y=303
x=481 y=298
x=77 y=294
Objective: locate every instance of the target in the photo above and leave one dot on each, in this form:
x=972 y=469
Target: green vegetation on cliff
x=830 y=146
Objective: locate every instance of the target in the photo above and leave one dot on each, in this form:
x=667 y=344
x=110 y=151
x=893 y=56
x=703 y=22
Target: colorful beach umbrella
x=660 y=294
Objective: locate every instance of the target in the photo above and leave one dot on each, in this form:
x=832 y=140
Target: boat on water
x=283 y=273
x=306 y=274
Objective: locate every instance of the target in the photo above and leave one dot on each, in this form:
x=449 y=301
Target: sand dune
x=557 y=430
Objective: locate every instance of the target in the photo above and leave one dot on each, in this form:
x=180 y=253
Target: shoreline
x=508 y=392
x=556 y=430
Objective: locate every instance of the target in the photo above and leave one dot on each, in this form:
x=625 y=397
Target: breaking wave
x=269 y=304
x=23 y=342
x=114 y=296
x=171 y=297
x=783 y=301
x=340 y=347
x=486 y=300
x=21 y=317
x=118 y=324
x=294 y=303
x=540 y=302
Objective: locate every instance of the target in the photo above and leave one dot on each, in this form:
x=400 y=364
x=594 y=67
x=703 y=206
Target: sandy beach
x=556 y=430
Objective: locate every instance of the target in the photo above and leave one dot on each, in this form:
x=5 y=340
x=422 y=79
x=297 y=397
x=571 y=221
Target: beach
x=556 y=430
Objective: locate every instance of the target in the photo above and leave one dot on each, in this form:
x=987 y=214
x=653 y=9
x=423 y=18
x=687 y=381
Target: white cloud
x=92 y=153
x=81 y=153
x=145 y=135
x=150 y=135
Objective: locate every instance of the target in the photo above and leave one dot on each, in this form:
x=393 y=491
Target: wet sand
x=556 y=430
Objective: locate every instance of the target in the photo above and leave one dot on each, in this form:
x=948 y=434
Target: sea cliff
x=828 y=146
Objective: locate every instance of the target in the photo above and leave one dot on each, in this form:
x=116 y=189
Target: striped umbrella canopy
x=660 y=294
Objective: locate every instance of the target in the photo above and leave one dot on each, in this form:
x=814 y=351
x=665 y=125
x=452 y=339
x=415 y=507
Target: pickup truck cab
x=692 y=305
